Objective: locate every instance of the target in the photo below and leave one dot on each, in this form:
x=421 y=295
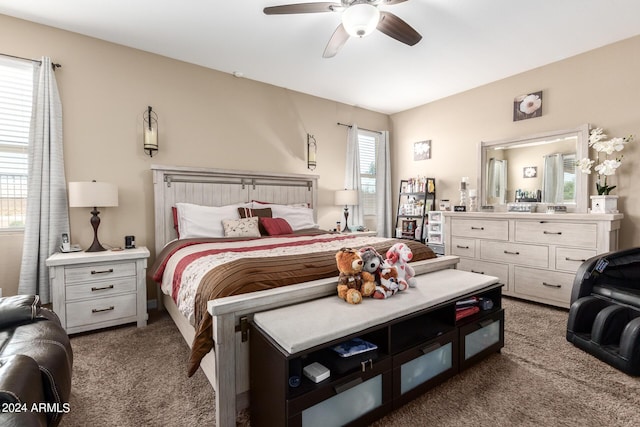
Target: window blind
x=367 y=146
x=16 y=93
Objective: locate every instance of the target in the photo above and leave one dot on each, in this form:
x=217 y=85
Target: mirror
x=539 y=168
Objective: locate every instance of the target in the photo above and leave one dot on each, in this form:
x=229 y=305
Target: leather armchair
x=36 y=362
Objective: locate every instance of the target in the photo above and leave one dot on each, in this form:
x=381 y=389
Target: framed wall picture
x=527 y=106
x=530 y=172
x=422 y=150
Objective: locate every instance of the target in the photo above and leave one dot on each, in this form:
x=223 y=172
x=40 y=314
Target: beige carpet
x=136 y=377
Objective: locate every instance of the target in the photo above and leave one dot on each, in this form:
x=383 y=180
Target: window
x=367 y=142
x=16 y=91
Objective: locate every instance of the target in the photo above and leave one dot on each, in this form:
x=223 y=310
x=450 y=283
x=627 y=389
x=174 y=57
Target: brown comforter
x=254 y=274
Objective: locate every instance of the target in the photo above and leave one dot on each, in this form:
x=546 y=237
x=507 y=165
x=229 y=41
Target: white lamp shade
x=360 y=19
x=92 y=194
x=346 y=197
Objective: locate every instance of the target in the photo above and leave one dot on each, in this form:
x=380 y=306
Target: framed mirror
x=535 y=169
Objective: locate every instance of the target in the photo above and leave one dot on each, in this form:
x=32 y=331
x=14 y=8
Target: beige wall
x=599 y=87
x=206 y=118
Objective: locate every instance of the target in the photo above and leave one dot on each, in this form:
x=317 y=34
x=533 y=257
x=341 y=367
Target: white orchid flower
x=585 y=165
x=608 y=167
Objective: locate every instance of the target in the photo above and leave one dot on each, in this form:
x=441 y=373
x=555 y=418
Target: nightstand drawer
x=83 y=313
x=100 y=289
x=99 y=271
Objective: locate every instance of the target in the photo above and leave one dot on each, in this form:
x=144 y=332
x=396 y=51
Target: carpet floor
x=137 y=377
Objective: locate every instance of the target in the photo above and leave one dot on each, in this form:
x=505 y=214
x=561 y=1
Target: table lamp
x=347 y=198
x=93 y=195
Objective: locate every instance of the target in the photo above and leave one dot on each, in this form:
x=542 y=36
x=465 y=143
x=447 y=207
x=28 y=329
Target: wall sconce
x=312 y=148
x=150 y=131
x=93 y=195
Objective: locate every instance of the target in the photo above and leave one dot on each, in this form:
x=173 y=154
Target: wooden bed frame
x=218 y=187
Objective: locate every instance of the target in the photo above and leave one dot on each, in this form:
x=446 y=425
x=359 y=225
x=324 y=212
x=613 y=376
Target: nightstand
x=92 y=290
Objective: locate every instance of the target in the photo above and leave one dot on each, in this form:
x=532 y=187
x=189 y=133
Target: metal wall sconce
x=312 y=148
x=150 y=131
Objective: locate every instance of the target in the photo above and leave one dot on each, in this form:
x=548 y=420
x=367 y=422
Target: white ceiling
x=466 y=43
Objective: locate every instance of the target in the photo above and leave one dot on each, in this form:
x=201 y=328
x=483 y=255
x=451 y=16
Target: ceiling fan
x=359 y=19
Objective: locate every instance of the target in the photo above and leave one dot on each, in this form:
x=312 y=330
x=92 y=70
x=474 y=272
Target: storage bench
x=419 y=345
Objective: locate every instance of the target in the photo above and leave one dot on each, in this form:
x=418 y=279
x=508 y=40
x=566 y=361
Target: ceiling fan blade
x=337 y=40
x=390 y=2
x=302 y=8
x=396 y=28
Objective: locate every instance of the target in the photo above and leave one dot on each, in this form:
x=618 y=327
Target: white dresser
x=94 y=290
x=535 y=255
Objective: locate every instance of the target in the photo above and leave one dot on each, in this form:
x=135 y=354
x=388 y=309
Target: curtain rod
x=350 y=126
x=54 y=66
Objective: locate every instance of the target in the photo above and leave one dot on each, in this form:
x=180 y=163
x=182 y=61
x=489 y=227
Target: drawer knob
x=477 y=228
x=102 y=271
x=93 y=289
x=552 y=232
x=511 y=253
x=99 y=310
x=551 y=285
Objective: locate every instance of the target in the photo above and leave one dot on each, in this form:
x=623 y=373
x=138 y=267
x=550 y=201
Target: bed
x=241 y=275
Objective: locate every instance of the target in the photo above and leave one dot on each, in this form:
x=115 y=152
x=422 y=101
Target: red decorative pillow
x=276 y=226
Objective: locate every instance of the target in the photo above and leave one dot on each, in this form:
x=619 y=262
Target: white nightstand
x=92 y=290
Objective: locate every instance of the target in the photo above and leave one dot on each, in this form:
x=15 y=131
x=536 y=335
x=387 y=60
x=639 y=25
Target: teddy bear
x=389 y=283
x=371 y=261
x=399 y=256
x=353 y=283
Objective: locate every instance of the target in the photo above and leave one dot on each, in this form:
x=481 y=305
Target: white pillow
x=299 y=218
x=243 y=227
x=204 y=221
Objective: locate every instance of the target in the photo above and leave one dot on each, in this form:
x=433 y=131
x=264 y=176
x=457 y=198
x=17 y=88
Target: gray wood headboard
x=219 y=187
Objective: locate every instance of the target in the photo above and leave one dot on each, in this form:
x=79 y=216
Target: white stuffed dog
x=399 y=256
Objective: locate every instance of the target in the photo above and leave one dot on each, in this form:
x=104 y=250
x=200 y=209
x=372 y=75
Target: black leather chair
x=604 y=318
x=35 y=363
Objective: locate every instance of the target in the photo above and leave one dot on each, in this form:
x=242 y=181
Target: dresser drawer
x=99 y=271
x=501 y=271
x=531 y=255
x=545 y=284
x=83 y=313
x=569 y=259
x=463 y=247
x=101 y=288
x=556 y=233
x=480 y=228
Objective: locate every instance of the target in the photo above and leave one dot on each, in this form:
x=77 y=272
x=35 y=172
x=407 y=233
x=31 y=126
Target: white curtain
x=352 y=175
x=383 y=186
x=496 y=180
x=47 y=212
x=553 y=179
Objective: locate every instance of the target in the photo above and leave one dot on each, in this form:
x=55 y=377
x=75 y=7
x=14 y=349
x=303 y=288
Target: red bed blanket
x=251 y=274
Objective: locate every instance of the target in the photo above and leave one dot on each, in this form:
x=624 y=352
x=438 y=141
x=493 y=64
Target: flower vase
x=604 y=204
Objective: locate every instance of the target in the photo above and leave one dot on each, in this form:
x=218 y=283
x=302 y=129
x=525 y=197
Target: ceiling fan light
x=360 y=19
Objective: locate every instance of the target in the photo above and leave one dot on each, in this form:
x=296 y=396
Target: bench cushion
x=302 y=326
